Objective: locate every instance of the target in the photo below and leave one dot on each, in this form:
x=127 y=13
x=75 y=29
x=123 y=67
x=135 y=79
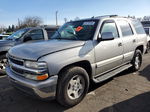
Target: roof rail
x=98 y=17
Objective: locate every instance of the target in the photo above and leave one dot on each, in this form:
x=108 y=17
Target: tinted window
x=147 y=31
x=138 y=27
x=125 y=28
x=50 y=32
x=110 y=27
x=77 y=30
x=36 y=34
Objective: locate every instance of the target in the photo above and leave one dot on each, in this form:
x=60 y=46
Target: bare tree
x=146 y=18
x=2 y=28
x=30 y=22
x=77 y=18
x=65 y=19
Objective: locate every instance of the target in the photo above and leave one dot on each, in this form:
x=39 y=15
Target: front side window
x=36 y=34
x=125 y=28
x=110 y=27
x=77 y=30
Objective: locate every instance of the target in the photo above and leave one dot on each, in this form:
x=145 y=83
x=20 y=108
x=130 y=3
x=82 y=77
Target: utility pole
x=18 y=23
x=56 y=18
x=65 y=19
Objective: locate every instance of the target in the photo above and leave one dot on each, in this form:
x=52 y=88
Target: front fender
x=59 y=60
x=5 y=48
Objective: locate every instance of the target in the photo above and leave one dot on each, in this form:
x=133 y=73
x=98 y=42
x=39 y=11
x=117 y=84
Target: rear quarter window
x=138 y=27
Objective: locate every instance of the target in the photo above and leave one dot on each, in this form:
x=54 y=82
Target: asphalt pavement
x=126 y=92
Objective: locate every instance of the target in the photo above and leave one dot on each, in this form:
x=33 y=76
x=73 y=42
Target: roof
x=102 y=17
x=50 y=26
x=44 y=26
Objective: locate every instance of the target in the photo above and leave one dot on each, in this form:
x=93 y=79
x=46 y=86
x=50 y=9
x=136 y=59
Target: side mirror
x=107 y=36
x=27 y=38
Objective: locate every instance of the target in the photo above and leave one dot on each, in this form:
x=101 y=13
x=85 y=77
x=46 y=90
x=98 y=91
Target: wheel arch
x=84 y=64
x=3 y=52
x=141 y=48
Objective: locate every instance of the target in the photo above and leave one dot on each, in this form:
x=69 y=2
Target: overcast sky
x=11 y=10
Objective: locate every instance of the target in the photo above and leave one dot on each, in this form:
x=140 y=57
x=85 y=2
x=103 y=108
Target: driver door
x=34 y=35
x=108 y=53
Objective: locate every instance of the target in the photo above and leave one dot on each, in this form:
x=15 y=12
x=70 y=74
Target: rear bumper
x=42 y=89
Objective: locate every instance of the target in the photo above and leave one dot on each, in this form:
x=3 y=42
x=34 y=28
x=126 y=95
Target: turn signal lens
x=42 y=77
x=37 y=77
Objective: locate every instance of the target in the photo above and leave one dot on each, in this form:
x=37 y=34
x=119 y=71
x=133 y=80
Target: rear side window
x=110 y=27
x=50 y=32
x=147 y=31
x=138 y=27
x=125 y=28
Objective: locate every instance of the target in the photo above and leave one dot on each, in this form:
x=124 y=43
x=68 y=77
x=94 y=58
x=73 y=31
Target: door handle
x=120 y=44
x=134 y=41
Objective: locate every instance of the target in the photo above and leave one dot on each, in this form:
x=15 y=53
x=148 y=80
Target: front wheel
x=137 y=60
x=3 y=61
x=73 y=84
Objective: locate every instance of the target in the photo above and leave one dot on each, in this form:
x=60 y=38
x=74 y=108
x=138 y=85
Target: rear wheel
x=137 y=60
x=3 y=61
x=73 y=85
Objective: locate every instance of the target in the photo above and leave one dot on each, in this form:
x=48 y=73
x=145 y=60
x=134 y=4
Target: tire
x=137 y=60
x=3 y=61
x=73 y=85
x=148 y=47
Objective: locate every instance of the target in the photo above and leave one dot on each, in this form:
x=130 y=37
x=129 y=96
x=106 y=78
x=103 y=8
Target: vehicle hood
x=6 y=42
x=33 y=51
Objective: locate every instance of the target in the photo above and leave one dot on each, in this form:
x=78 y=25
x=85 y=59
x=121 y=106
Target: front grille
x=16 y=61
x=16 y=70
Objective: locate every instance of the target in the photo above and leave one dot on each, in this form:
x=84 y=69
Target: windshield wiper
x=60 y=37
x=74 y=35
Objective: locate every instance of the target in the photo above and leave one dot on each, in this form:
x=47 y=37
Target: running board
x=112 y=73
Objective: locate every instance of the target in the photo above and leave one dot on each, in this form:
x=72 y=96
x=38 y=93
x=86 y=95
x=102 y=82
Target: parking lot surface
x=126 y=92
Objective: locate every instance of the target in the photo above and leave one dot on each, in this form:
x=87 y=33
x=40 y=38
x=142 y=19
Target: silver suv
x=93 y=49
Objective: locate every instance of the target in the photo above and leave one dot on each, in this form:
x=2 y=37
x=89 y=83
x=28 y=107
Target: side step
x=112 y=73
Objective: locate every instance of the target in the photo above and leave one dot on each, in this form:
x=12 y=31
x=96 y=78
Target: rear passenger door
x=129 y=40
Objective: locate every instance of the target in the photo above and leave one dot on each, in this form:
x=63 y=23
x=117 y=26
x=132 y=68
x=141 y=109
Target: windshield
x=17 y=34
x=77 y=30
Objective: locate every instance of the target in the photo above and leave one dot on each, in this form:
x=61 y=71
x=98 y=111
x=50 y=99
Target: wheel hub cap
x=75 y=87
x=3 y=64
x=137 y=61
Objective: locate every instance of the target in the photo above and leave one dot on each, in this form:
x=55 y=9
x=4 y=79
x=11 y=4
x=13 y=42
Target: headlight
x=35 y=65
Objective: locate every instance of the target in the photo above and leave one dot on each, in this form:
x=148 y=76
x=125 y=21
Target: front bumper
x=43 y=89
